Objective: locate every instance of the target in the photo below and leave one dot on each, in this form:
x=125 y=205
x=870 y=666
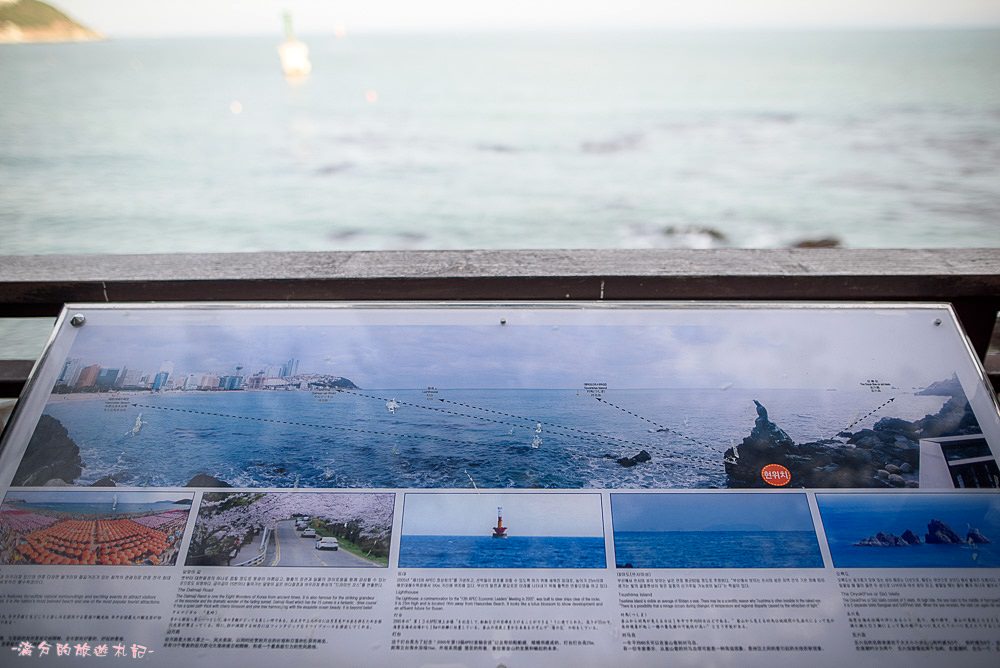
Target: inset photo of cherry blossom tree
x=295 y=529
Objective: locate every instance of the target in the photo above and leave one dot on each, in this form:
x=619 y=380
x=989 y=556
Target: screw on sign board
x=776 y=474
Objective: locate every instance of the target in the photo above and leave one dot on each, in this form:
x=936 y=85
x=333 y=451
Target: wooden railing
x=38 y=286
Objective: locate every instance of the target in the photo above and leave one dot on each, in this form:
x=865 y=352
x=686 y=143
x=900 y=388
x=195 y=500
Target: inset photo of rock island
x=912 y=530
x=714 y=530
x=92 y=528
x=502 y=531
x=303 y=529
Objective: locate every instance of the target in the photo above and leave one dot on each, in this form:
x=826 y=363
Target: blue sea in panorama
x=717 y=549
x=502 y=140
x=510 y=552
x=484 y=438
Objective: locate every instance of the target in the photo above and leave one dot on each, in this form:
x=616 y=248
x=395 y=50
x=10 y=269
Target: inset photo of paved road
x=292 y=529
x=290 y=548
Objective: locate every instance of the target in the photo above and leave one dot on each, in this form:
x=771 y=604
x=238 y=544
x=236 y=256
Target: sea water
x=510 y=552
x=98 y=509
x=717 y=549
x=504 y=140
x=287 y=439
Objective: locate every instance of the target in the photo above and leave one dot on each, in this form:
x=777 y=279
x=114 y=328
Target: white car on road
x=309 y=533
x=327 y=543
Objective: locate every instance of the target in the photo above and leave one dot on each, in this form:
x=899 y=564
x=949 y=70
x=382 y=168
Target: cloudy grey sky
x=759 y=348
x=711 y=512
x=119 y=18
x=525 y=514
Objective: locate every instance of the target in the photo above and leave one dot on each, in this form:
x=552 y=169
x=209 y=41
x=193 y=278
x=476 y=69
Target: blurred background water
x=518 y=139
x=521 y=140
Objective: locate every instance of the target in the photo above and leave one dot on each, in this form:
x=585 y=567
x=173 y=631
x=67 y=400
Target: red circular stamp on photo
x=776 y=474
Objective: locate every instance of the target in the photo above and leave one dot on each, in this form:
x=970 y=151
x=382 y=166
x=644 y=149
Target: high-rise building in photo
x=160 y=381
x=106 y=379
x=70 y=372
x=88 y=377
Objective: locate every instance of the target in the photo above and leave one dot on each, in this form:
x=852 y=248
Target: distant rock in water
x=106 y=481
x=883 y=540
x=629 y=462
x=887 y=455
x=976 y=536
x=51 y=456
x=939 y=533
x=205 y=480
x=819 y=242
x=24 y=21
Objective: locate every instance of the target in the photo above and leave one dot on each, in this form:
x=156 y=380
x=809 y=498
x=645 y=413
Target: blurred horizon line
x=590 y=31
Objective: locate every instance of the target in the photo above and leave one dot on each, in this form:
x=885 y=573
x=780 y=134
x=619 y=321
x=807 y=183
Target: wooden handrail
x=967 y=278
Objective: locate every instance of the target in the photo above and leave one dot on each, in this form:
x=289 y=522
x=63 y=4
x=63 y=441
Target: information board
x=502 y=485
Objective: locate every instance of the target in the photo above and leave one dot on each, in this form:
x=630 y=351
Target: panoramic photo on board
x=550 y=407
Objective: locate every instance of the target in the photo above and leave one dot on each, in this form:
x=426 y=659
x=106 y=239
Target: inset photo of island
x=76 y=528
x=912 y=530
x=303 y=529
x=469 y=530
x=714 y=530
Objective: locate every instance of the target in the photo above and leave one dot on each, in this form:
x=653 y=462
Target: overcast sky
x=524 y=514
x=815 y=349
x=711 y=512
x=117 y=18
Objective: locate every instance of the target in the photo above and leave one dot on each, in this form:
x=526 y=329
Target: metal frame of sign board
x=797 y=354
x=31 y=399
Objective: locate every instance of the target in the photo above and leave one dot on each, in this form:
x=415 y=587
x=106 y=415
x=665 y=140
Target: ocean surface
x=288 y=439
x=849 y=518
x=99 y=509
x=717 y=549
x=511 y=552
x=502 y=140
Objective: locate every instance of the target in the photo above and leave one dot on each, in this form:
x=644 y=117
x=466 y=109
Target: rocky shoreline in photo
x=887 y=455
x=52 y=459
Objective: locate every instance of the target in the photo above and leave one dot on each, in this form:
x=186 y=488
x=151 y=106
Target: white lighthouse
x=293 y=53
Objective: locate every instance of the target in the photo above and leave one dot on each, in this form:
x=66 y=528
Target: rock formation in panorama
x=51 y=457
x=887 y=455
